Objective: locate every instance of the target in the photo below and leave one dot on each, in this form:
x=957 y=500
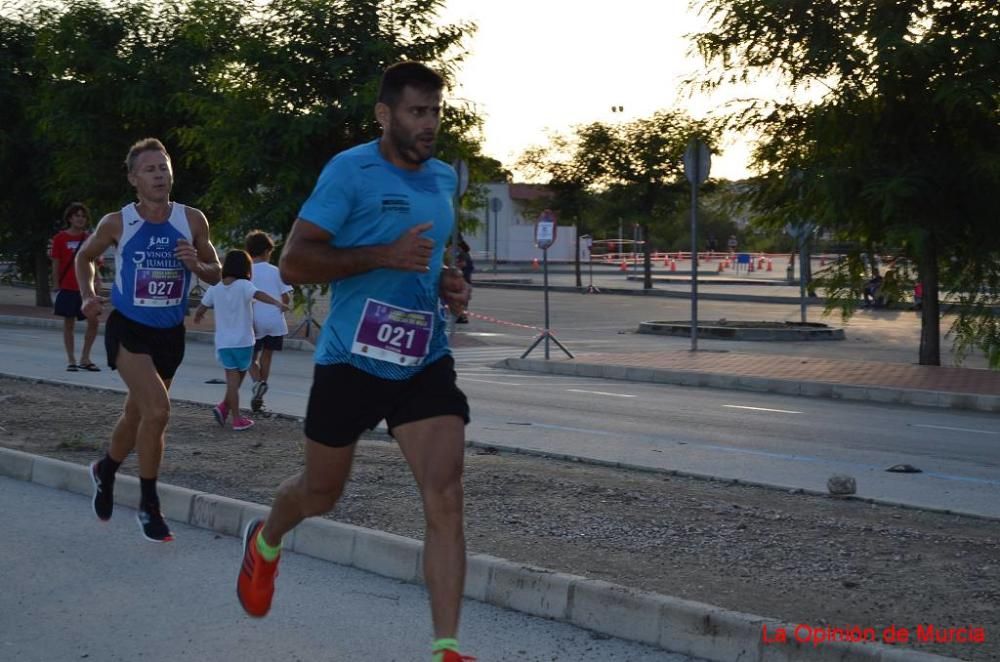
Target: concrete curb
x=294 y=344
x=681 y=626
x=676 y=294
x=879 y=394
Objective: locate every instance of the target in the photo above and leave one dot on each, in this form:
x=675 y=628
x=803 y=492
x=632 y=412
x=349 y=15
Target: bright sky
x=550 y=64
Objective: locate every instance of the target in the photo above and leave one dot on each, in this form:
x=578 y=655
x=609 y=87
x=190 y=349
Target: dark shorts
x=273 y=343
x=165 y=346
x=345 y=401
x=68 y=304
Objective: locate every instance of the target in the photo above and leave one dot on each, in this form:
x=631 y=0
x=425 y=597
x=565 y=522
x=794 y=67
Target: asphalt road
x=765 y=438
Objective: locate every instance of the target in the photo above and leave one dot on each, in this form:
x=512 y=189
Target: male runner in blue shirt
x=375 y=228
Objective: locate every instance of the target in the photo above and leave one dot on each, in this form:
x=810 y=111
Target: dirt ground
x=800 y=558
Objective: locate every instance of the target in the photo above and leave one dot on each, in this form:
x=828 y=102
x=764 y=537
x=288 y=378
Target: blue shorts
x=235 y=358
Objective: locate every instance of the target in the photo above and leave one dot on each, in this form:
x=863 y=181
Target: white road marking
x=945 y=427
x=777 y=411
x=487 y=381
x=613 y=395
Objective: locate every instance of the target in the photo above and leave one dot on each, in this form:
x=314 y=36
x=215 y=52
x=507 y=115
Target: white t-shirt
x=233 y=312
x=269 y=320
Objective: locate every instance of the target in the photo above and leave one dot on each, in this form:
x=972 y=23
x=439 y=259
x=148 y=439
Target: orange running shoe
x=452 y=656
x=255 y=585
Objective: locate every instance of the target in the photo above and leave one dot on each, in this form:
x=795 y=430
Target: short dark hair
x=403 y=74
x=140 y=146
x=237 y=265
x=73 y=208
x=258 y=242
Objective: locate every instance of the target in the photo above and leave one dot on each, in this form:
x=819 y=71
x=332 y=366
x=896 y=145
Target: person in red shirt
x=68 y=301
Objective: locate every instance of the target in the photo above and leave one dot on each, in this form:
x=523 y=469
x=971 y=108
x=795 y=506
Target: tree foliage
x=251 y=99
x=900 y=152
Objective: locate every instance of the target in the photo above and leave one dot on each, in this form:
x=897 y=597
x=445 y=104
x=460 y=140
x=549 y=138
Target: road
x=764 y=438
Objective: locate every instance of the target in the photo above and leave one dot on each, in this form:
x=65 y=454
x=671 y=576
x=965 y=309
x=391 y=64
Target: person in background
x=232 y=299
x=69 y=303
x=269 y=325
x=467 y=266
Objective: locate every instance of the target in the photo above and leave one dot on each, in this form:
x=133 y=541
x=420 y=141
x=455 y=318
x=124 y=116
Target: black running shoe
x=257 y=402
x=154 y=528
x=104 y=493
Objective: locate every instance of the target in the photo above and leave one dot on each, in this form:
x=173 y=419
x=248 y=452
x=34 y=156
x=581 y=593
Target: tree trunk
x=647 y=260
x=930 y=318
x=43 y=292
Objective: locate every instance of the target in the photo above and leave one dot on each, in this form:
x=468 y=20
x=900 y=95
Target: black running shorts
x=345 y=401
x=68 y=304
x=273 y=343
x=165 y=346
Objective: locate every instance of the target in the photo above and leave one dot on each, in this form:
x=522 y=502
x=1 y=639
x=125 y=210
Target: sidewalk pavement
x=866 y=381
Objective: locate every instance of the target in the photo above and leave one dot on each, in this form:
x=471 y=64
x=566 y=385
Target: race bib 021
x=390 y=333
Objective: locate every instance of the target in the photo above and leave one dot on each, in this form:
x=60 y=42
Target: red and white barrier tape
x=494 y=320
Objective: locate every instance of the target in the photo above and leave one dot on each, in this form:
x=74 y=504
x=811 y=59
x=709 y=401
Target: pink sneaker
x=242 y=423
x=221 y=413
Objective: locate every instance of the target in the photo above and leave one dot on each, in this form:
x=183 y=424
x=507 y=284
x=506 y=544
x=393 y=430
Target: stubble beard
x=408 y=148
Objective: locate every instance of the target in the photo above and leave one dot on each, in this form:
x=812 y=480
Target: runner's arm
x=107 y=234
x=308 y=256
x=201 y=258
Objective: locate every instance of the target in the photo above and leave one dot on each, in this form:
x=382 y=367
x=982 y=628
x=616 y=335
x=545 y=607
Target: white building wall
x=511 y=233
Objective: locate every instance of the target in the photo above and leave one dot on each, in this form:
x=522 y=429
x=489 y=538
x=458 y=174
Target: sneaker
x=257 y=402
x=104 y=493
x=221 y=413
x=154 y=528
x=242 y=423
x=255 y=584
x=451 y=656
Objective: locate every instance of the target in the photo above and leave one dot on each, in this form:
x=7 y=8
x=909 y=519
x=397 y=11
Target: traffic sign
x=462 y=170
x=496 y=205
x=697 y=162
x=545 y=230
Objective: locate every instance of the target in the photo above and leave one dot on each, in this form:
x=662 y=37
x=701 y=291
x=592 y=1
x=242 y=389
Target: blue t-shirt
x=386 y=322
x=151 y=284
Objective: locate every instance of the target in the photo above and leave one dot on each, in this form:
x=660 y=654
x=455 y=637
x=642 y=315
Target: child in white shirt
x=232 y=299
x=269 y=325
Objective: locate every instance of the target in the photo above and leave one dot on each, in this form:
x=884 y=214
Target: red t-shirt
x=64 y=247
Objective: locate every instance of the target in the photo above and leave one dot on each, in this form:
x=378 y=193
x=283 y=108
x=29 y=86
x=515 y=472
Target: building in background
x=506 y=231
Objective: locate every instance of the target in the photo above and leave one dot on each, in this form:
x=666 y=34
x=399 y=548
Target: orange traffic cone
x=673 y=265
x=534 y=264
x=750 y=266
x=721 y=267
x=624 y=266
x=760 y=264
x=770 y=264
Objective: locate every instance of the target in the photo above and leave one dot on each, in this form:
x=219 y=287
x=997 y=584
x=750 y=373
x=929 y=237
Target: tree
x=26 y=222
x=300 y=88
x=250 y=100
x=902 y=148
x=636 y=167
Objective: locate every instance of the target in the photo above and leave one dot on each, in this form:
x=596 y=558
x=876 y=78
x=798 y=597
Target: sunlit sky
x=537 y=65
